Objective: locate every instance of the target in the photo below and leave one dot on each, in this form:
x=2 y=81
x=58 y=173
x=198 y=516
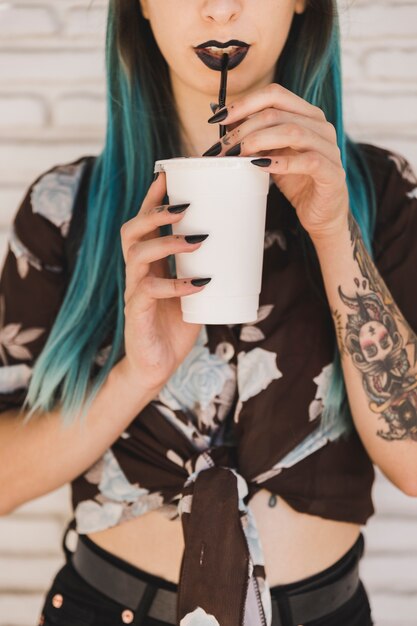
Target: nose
x=221 y=11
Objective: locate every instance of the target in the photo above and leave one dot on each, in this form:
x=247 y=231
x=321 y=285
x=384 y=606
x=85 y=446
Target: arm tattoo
x=377 y=347
x=337 y=318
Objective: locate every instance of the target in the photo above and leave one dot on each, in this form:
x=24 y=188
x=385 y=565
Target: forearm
x=377 y=349
x=42 y=455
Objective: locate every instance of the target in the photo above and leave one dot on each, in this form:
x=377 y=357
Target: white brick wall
x=52 y=110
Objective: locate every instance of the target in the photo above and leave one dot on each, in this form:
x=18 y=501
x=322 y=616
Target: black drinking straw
x=222 y=92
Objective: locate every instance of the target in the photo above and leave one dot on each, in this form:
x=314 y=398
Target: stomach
x=295 y=545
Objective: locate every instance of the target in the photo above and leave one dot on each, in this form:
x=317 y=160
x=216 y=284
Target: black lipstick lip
x=215 y=63
x=219 y=44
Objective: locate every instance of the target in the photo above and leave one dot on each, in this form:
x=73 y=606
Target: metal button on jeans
x=127 y=616
x=57 y=600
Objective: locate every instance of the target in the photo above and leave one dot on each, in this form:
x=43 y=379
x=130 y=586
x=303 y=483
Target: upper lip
x=219 y=44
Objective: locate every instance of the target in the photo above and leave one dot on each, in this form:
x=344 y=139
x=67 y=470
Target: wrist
x=132 y=382
x=333 y=236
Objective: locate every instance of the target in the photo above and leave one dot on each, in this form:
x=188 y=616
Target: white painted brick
x=391 y=502
x=401 y=532
x=64 y=66
x=401 y=140
x=28 y=574
x=22 y=111
x=396 y=622
x=56 y=503
x=52 y=135
x=374 y=20
x=10 y=199
x=22 y=21
x=398 y=610
x=376 y=572
x=382 y=111
x=21 y=609
x=351 y=67
x=392 y=65
x=80 y=110
x=86 y=21
x=31 y=536
x=24 y=162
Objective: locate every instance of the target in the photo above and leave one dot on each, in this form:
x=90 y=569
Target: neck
x=194 y=110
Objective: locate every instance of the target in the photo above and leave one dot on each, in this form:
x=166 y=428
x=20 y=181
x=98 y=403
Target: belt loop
x=66 y=550
x=145 y=603
x=283 y=608
x=276 y=618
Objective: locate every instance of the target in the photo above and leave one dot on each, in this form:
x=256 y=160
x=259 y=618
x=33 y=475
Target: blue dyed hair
x=143 y=126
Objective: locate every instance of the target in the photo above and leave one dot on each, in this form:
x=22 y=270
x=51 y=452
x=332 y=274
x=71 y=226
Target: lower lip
x=215 y=63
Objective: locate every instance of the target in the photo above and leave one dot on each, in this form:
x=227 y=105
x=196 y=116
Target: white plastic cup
x=228 y=199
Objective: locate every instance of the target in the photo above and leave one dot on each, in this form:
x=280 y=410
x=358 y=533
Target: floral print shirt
x=241 y=413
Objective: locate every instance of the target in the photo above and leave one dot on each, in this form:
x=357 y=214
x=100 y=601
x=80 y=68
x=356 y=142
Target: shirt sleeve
x=395 y=237
x=34 y=277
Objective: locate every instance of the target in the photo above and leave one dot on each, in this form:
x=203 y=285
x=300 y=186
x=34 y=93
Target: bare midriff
x=295 y=545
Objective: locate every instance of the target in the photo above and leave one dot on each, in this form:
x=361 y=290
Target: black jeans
x=70 y=601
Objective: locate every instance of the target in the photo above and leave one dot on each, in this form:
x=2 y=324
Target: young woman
x=220 y=474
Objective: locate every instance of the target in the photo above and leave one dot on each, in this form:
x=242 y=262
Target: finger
x=289 y=136
x=152 y=287
x=273 y=95
x=274 y=117
x=145 y=225
x=323 y=171
x=141 y=254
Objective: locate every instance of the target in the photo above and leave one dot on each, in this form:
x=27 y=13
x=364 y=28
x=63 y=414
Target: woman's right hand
x=156 y=338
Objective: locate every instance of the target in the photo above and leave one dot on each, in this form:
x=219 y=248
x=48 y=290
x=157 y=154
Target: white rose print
x=53 y=195
x=114 y=484
x=92 y=516
x=256 y=369
x=13 y=377
x=201 y=378
x=199 y=617
x=322 y=381
x=118 y=500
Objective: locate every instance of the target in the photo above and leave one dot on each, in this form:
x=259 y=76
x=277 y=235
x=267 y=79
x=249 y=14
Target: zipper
x=258 y=598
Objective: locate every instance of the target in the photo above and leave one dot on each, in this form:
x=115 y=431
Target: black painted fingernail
x=233 y=151
x=178 y=208
x=262 y=162
x=214 y=150
x=195 y=238
x=214 y=106
x=198 y=282
x=219 y=116
x=155 y=176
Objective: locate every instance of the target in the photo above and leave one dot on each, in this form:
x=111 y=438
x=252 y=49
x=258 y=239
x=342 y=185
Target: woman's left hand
x=302 y=145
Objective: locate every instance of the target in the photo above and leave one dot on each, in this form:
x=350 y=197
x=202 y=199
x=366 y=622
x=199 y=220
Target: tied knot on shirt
x=222 y=578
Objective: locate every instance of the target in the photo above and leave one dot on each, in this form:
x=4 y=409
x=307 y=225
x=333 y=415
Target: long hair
x=142 y=126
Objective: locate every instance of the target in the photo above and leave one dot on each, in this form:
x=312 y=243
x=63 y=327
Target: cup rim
x=232 y=162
